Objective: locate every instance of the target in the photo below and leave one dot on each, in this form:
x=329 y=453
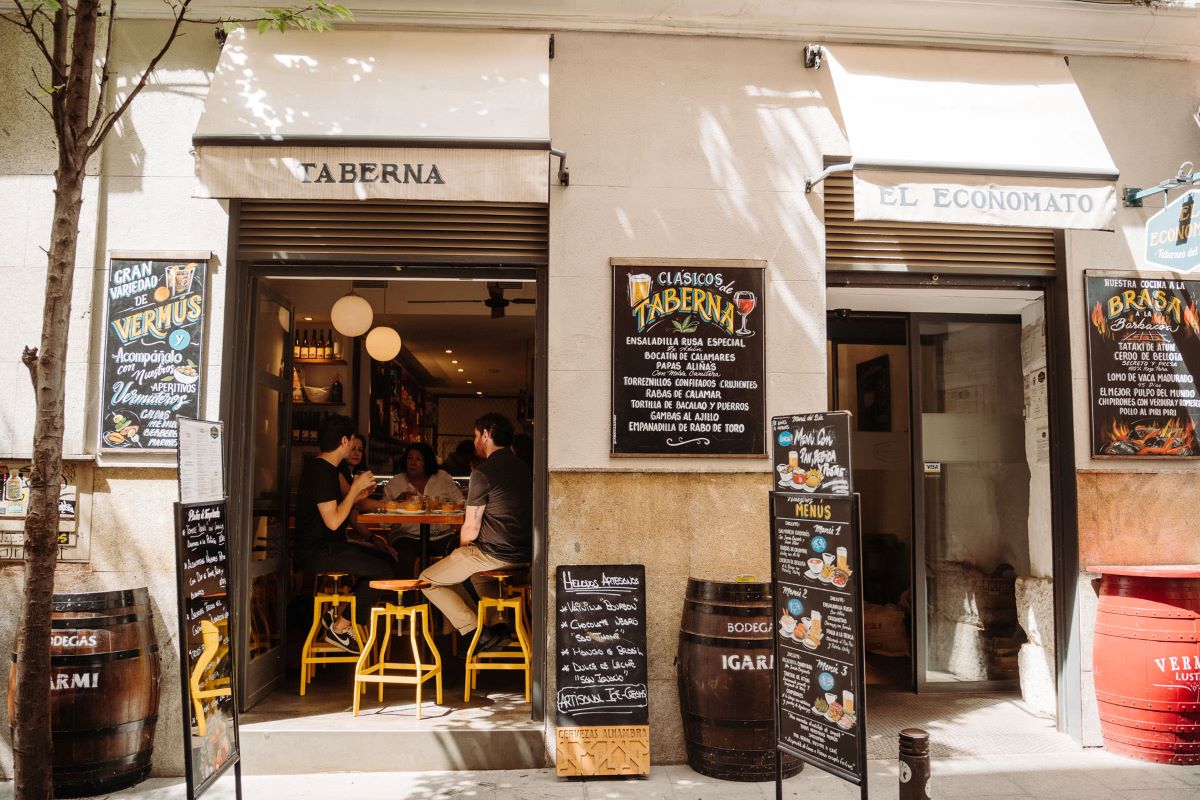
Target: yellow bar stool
x=516 y=655
x=327 y=591
x=374 y=669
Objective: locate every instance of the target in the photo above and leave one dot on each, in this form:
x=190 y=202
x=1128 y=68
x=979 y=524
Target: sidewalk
x=1084 y=775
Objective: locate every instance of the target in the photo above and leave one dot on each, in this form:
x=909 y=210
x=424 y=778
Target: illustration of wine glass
x=744 y=302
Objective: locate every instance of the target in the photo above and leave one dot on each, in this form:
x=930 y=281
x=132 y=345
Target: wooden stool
x=417 y=616
x=316 y=651
x=516 y=655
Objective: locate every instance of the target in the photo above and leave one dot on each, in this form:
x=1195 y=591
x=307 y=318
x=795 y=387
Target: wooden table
x=423 y=519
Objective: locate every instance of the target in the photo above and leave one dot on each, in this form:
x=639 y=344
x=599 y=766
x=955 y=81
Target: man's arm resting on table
x=472 y=522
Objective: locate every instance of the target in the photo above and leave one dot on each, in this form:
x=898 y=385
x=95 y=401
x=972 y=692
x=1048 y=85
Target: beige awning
x=971 y=138
x=378 y=114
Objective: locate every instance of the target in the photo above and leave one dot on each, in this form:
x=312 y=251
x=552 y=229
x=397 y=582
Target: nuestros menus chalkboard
x=812 y=452
x=206 y=643
x=601 y=644
x=152 y=351
x=818 y=603
x=1143 y=357
x=687 y=363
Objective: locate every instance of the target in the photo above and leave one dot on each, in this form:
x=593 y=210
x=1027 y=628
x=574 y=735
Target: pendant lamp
x=351 y=315
x=383 y=344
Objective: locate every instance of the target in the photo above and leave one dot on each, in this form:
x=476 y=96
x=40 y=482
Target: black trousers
x=363 y=563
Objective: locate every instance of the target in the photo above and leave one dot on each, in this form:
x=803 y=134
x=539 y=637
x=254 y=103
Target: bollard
x=914 y=764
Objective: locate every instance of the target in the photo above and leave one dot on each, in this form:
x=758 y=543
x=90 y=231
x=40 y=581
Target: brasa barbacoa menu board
x=1143 y=353
x=601 y=644
x=687 y=364
x=819 y=680
x=153 y=351
x=207 y=646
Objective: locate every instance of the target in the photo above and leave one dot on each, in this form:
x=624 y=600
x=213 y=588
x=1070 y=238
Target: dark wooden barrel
x=104 y=681
x=1146 y=654
x=726 y=669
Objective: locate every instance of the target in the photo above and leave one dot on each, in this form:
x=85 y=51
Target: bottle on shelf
x=295 y=344
x=321 y=345
x=337 y=346
x=329 y=344
x=335 y=391
x=304 y=345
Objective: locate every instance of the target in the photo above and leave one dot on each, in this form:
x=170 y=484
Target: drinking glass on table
x=745 y=303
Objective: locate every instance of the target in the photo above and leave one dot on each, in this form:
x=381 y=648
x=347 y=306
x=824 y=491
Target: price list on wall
x=601 y=698
x=206 y=661
x=688 y=369
x=816 y=581
x=1143 y=356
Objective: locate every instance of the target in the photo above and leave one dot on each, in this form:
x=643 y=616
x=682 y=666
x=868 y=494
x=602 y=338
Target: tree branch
x=41 y=103
x=58 y=69
x=98 y=135
x=101 y=96
x=33 y=31
x=29 y=357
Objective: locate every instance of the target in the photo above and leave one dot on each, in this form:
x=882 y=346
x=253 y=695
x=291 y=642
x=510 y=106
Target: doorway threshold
x=288 y=734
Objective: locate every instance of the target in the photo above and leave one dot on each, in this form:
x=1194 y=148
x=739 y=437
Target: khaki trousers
x=448 y=592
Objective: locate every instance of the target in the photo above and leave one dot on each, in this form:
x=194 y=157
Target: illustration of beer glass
x=179 y=278
x=639 y=288
x=744 y=302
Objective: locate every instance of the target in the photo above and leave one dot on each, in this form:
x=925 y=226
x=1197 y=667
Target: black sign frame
x=170 y=288
x=217 y=511
x=820 y=442
x=566 y=645
x=1123 y=403
x=851 y=505
x=691 y=312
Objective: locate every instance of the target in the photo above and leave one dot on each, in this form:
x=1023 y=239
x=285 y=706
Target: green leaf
x=263 y=25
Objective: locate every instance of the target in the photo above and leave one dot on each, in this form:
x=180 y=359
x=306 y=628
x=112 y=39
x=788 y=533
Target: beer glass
x=639 y=288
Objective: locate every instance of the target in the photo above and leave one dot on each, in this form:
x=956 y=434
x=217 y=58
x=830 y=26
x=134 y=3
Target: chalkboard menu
x=601 y=636
x=812 y=452
x=206 y=643
x=1143 y=357
x=152 y=351
x=819 y=645
x=687 y=358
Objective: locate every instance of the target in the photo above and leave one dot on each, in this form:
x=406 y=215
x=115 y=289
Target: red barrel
x=1147 y=662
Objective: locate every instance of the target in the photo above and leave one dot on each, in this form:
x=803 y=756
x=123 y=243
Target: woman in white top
x=422 y=476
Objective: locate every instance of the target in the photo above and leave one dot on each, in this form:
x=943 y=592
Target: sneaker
x=327 y=619
x=494 y=637
x=343 y=641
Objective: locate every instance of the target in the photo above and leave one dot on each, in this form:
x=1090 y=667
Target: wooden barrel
x=1146 y=658
x=726 y=690
x=104 y=683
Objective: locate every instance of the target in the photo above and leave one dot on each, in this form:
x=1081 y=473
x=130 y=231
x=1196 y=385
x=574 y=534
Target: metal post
x=914 y=764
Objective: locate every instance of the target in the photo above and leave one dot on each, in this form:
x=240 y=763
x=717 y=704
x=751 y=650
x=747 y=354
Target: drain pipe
x=914 y=764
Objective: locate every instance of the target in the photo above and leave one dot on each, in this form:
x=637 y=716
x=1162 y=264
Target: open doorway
x=952 y=457
x=469 y=346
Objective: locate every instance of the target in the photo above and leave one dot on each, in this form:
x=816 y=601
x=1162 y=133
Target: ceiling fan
x=495 y=300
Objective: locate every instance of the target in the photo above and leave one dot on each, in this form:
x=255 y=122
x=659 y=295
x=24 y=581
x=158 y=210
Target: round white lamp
x=285 y=318
x=383 y=344
x=351 y=315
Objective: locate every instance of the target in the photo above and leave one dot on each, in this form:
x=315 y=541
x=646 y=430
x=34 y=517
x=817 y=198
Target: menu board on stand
x=153 y=348
x=206 y=636
x=816 y=582
x=1143 y=358
x=687 y=362
x=602 y=709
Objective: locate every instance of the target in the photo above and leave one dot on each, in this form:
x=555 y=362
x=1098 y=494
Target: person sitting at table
x=354 y=461
x=497 y=532
x=420 y=476
x=322 y=517
x=459 y=463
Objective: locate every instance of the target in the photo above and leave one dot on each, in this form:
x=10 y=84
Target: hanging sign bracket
x=1185 y=177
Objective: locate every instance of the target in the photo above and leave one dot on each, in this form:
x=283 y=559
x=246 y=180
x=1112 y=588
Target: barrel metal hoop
x=1150 y=636
x=1150 y=744
x=1159 y=612
x=135 y=759
x=71 y=733
x=1148 y=705
x=727 y=610
x=92 y=623
x=101 y=601
x=97 y=659
x=726 y=641
x=717 y=722
x=1145 y=725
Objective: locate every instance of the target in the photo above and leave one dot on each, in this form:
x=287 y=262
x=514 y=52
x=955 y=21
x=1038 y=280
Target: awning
x=971 y=138
x=378 y=114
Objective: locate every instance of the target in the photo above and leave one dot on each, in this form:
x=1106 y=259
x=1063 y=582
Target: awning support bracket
x=564 y=176
x=809 y=183
x=1185 y=177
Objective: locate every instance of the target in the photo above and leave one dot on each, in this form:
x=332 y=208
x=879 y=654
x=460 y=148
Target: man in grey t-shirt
x=496 y=533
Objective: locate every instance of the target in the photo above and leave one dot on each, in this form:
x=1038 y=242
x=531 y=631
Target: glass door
x=265 y=482
x=971 y=497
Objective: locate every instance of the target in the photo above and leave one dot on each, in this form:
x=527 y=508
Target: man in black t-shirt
x=322 y=515
x=496 y=533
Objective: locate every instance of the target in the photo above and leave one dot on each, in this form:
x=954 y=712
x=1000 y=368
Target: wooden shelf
x=297 y=403
x=341 y=361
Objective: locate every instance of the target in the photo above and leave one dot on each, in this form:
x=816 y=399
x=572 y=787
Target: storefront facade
x=678 y=147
